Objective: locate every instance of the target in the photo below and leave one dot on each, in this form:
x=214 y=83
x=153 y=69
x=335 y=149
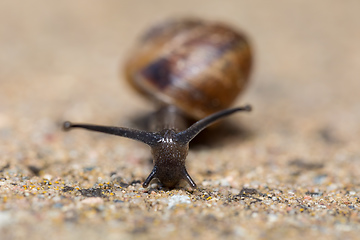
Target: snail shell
x=198 y=66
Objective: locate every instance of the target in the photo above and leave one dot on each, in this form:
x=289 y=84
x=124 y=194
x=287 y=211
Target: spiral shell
x=198 y=66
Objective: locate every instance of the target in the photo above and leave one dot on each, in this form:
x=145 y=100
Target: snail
x=191 y=68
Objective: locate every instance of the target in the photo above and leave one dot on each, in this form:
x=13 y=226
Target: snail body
x=192 y=68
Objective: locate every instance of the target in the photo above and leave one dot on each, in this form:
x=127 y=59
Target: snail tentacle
x=148 y=138
x=187 y=135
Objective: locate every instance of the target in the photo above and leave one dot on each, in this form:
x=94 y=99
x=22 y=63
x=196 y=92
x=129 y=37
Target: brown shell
x=198 y=66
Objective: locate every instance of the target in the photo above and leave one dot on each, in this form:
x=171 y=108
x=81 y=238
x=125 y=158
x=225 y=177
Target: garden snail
x=190 y=67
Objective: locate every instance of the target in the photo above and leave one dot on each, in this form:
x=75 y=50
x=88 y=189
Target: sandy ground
x=288 y=169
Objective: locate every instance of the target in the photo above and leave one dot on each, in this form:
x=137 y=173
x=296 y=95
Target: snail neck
x=168 y=117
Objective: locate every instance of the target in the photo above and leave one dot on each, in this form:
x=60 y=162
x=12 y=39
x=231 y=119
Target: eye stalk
x=187 y=135
x=148 y=138
x=169 y=147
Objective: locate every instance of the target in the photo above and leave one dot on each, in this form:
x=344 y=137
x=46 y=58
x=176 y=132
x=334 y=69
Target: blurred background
x=64 y=59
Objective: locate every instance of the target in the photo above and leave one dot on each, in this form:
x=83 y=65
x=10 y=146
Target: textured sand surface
x=290 y=169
